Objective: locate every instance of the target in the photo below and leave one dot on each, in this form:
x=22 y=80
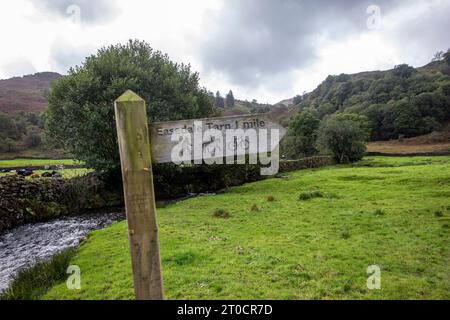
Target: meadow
x=36 y=162
x=309 y=234
x=67 y=173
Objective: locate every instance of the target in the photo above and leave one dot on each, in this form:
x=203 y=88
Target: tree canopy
x=80 y=115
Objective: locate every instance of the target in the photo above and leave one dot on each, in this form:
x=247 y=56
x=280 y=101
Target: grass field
x=36 y=162
x=26 y=163
x=314 y=241
x=66 y=173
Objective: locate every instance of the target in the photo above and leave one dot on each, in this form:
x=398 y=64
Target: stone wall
x=26 y=200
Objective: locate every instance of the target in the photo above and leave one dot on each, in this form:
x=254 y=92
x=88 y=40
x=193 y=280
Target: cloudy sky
x=263 y=49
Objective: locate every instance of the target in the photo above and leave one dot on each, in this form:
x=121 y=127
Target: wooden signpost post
x=135 y=158
x=139 y=146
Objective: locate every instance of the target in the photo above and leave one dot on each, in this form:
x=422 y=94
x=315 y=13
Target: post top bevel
x=129 y=96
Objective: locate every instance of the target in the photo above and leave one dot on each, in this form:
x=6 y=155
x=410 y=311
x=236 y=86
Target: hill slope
x=26 y=93
x=404 y=101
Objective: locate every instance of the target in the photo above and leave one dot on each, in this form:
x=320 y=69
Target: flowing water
x=24 y=246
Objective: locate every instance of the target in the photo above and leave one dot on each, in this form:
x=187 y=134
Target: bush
x=345 y=138
x=221 y=213
x=310 y=195
x=379 y=212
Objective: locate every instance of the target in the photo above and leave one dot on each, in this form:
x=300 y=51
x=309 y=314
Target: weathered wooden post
x=135 y=157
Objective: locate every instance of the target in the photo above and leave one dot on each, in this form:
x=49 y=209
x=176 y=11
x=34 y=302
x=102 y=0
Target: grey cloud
x=253 y=40
x=18 y=67
x=65 y=56
x=91 y=11
x=427 y=33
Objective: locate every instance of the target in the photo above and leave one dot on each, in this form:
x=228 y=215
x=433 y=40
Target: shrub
x=439 y=213
x=379 y=212
x=271 y=198
x=254 y=208
x=343 y=137
x=345 y=235
x=310 y=195
x=221 y=213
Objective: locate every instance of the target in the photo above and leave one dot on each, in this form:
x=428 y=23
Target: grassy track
x=390 y=212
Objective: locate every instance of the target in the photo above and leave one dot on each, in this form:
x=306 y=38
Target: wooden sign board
x=140 y=145
x=162 y=142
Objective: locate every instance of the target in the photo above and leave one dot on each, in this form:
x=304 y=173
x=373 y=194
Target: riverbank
x=314 y=241
x=30 y=244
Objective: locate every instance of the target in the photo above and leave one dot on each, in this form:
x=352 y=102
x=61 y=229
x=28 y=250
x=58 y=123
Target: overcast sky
x=263 y=49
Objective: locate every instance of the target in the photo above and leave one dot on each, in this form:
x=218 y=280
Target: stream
x=26 y=245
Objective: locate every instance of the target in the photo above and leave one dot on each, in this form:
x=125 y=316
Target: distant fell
x=27 y=93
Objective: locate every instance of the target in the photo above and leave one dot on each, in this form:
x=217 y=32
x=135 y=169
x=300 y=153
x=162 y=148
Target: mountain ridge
x=26 y=93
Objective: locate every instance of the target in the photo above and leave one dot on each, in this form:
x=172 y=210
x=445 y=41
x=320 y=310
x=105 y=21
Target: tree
x=8 y=127
x=230 y=99
x=438 y=56
x=80 y=115
x=32 y=138
x=344 y=138
x=219 y=102
x=408 y=120
x=404 y=71
x=447 y=57
x=10 y=145
x=302 y=136
x=297 y=99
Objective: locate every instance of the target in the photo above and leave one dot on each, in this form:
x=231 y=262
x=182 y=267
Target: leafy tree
x=8 y=127
x=407 y=119
x=447 y=57
x=359 y=119
x=32 y=138
x=80 y=115
x=344 y=138
x=297 y=99
x=219 y=101
x=230 y=99
x=438 y=56
x=10 y=145
x=302 y=136
x=404 y=71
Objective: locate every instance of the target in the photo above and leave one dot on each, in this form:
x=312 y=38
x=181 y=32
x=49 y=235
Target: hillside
x=26 y=93
x=437 y=142
x=246 y=107
x=401 y=102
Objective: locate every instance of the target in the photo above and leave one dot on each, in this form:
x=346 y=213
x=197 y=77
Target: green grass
x=66 y=173
x=33 y=282
x=36 y=162
x=382 y=212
